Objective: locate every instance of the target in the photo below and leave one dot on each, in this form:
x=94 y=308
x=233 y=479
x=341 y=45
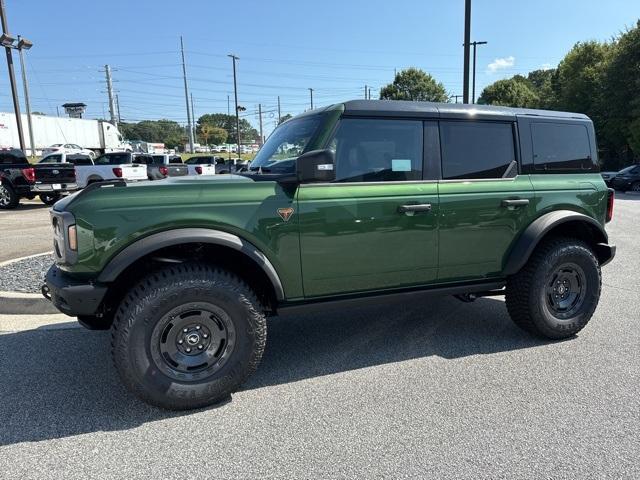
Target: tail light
x=610 y=199
x=29 y=174
x=164 y=171
x=198 y=169
x=117 y=171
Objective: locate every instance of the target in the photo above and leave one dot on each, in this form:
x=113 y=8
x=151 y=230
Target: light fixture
x=7 y=40
x=24 y=44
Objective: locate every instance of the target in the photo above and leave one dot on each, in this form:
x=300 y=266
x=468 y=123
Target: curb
x=17 y=303
x=14 y=260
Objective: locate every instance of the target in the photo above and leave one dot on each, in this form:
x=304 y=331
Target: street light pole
x=186 y=97
x=235 y=93
x=26 y=45
x=473 y=88
x=12 y=74
x=467 y=45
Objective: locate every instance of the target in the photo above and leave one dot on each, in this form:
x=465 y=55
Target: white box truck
x=97 y=135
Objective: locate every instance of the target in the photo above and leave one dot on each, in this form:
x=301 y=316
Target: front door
x=375 y=227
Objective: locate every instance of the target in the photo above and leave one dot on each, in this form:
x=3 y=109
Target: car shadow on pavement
x=60 y=383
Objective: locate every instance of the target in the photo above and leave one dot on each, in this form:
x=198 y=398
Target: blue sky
x=285 y=47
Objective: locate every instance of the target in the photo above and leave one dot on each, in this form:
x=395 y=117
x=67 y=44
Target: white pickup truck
x=202 y=165
x=111 y=166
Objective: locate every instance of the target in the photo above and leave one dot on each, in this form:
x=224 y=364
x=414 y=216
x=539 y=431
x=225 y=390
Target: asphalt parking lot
x=430 y=390
x=25 y=230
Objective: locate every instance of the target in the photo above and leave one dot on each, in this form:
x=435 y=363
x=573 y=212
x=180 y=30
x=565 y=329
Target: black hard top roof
x=398 y=108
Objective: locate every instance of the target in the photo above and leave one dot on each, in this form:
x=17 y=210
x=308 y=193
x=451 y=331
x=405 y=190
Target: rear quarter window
x=561 y=146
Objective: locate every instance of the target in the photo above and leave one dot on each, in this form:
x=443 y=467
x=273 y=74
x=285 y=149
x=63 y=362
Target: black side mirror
x=316 y=166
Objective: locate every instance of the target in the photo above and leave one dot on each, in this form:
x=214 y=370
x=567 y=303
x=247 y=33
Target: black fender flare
x=528 y=241
x=168 y=238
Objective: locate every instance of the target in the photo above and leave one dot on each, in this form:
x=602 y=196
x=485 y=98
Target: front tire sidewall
x=11 y=197
x=135 y=349
x=544 y=319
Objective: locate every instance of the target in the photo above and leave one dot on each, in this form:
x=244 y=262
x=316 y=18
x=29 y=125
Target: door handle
x=416 y=208
x=520 y=202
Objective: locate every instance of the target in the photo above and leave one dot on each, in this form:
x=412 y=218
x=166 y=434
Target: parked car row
x=63 y=172
x=626 y=179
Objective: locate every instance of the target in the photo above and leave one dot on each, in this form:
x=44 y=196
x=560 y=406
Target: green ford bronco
x=357 y=203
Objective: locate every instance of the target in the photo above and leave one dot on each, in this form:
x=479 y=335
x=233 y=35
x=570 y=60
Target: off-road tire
x=529 y=292
x=9 y=198
x=152 y=302
x=49 y=198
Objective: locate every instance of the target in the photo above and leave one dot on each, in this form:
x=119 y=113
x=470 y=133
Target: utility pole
x=467 y=45
x=235 y=93
x=279 y=115
x=260 y=115
x=366 y=94
x=228 y=115
x=193 y=116
x=456 y=97
x=118 y=108
x=27 y=104
x=473 y=88
x=186 y=97
x=12 y=75
x=311 y=93
x=58 y=110
x=112 y=106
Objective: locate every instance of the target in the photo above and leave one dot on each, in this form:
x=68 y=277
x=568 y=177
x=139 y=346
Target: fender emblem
x=285 y=213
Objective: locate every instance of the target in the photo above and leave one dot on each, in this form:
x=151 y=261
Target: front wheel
x=557 y=291
x=635 y=187
x=188 y=336
x=50 y=198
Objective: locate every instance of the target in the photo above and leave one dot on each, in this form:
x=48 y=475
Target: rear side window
x=79 y=160
x=477 y=150
x=368 y=150
x=560 y=146
x=175 y=159
x=157 y=160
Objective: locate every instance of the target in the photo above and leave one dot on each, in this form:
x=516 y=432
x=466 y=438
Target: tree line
x=600 y=79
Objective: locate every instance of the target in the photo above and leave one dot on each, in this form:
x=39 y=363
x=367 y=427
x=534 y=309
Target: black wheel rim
x=4 y=196
x=193 y=341
x=566 y=290
x=636 y=187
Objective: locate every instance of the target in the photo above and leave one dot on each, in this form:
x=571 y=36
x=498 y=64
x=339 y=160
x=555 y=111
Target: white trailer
x=97 y=135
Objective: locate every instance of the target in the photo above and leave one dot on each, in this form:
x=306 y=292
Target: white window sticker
x=325 y=166
x=400 y=165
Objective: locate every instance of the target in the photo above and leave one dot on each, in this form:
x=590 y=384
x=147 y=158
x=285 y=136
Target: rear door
x=375 y=227
x=484 y=201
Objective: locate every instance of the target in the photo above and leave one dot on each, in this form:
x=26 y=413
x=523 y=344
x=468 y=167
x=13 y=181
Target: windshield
x=285 y=144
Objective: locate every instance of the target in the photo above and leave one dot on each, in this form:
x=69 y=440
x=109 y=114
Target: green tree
x=542 y=82
x=218 y=135
x=414 y=84
x=171 y=133
x=621 y=122
x=512 y=92
x=228 y=123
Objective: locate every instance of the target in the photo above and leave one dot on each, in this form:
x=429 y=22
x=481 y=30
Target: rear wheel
x=8 y=197
x=187 y=336
x=50 y=198
x=556 y=293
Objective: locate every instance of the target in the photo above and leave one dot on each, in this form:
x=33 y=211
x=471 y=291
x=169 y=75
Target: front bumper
x=605 y=253
x=49 y=187
x=71 y=296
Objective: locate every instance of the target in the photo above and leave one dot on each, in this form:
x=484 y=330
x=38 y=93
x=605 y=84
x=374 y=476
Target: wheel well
x=216 y=255
x=582 y=230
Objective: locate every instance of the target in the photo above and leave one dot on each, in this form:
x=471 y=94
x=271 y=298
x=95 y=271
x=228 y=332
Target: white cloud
x=546 y=66
x=501 y=64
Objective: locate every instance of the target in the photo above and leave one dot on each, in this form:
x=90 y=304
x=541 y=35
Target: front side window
x=285 y=144
x=560 y=146
x=477 y=150
x=376 y=150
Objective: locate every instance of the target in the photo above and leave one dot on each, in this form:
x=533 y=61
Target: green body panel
x=109 y=219
x=352 y=237
x=584 y=193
